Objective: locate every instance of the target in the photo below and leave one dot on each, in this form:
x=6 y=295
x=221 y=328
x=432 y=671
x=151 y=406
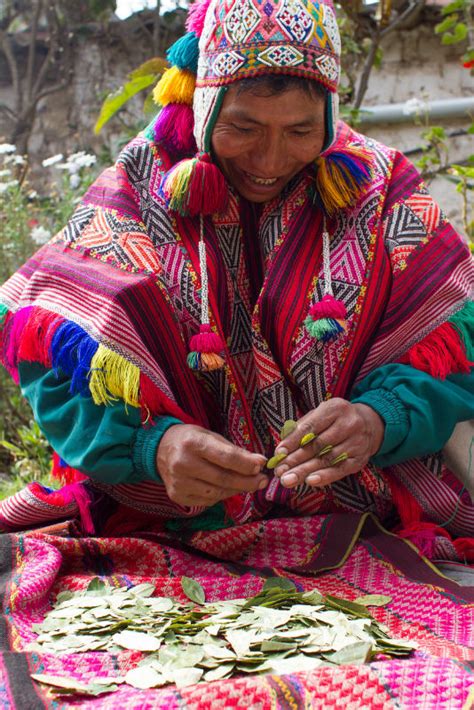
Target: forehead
x=292 y=106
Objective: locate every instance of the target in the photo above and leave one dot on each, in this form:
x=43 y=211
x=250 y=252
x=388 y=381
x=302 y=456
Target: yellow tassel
x=112 y=378
x=176 y=86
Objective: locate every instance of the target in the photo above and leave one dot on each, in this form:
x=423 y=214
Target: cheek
x=227 y=145
x=305 y=151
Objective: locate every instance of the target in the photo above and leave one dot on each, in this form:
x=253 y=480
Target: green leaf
x=446 y=24
x=347 y=606
x=275 y=460
x=288 y=428
x=117 y=99
x=278 y=583
x=355 y=653
x=137 y=641
x=373 y=600
x=145 y=677
x=453 y=7
x=155 y=66
x=459 y=34
x=96 y=586
x=193 y=590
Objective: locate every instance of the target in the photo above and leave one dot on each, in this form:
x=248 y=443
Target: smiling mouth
x=268 y=182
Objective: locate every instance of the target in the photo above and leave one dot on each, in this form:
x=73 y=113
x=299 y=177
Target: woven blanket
x=345 y=555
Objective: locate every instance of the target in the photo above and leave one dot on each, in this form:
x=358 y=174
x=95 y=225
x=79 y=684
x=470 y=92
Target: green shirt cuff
x=392 y=410
x=145 y=448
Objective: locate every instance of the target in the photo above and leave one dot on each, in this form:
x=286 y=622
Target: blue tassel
x=72 y=350
x=184 y=53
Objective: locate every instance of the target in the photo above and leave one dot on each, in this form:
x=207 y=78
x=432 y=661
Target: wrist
x=374 y=426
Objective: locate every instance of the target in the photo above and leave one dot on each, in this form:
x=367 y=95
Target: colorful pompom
x=326 y=319
x=197 y=16
x=342 y=177
x=174 y=129
x=184 y=53
x=205 y=348
x=195 y=186
x=176 y=86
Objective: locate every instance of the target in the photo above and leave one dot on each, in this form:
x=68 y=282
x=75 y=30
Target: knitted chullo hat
x=231 y=40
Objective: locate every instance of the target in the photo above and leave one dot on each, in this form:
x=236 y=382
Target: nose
x=269 y=158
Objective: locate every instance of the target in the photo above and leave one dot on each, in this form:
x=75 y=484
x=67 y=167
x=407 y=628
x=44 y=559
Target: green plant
x=29 y=219
x=457 y=27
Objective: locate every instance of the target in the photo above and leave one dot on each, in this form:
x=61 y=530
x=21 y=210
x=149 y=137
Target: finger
x=337 y=457
x=224 y=478
x=228 y=456
x=327 y=444
x=326 y=476
x=313 y=423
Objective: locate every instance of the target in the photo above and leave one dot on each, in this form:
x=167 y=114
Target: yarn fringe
x=197 y=16
x=342 y=177
x=440 y=354
x=77 y=493
x=112 y=378
x=195 y=186
x=327 y=319
x=174 y=128
x=176 y=86
x=205 y=348
x=184 y=53
x=65 y=474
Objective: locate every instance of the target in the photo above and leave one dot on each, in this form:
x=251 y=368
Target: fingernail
x=263 y=484
x=313 y=480
x=280 y=450
x=280 y=471
x=307 y=439
x=290 y=479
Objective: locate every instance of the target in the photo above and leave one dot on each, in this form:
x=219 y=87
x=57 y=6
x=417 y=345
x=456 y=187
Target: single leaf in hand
x=288 y=428
x=193 y=590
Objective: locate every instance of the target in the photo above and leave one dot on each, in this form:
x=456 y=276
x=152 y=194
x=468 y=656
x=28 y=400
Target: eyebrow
x=239 y=115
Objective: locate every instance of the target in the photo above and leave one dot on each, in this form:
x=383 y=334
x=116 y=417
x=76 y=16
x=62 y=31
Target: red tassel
x=424 y=535
x=76 y=492
x=440 y=354
x=208 y=191
x=37 y=335
x=206 y=341
x=328 y=307
x=408 y=508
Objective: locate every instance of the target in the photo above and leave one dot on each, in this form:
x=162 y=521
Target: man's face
x=262 y=141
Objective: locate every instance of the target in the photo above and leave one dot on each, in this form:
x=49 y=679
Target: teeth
x=262 y=181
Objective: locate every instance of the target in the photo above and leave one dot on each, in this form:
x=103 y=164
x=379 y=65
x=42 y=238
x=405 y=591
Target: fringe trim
x=440 y=354
x=60 y=471
x=112 y=378
x=463 y=321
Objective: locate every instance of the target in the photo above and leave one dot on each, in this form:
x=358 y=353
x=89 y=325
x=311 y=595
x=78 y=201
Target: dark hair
x=272 y=84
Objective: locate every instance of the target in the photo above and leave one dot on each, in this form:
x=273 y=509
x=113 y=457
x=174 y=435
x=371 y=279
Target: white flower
x=5 y=186
x=40 y=235
x=5 y=173
x=17 y=160
x=82 y=159
x=7 y=148
x=32 y=195
x=48 y=162
x=414 y=106
x=74 y=181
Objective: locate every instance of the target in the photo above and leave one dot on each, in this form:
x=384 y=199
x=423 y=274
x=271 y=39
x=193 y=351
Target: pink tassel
x=174 y=128
x=328 y=307
x=197 y=16
x=77 y=492
x=206 y=341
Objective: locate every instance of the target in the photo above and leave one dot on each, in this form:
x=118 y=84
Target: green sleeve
x=420 y=411
x=106 y=443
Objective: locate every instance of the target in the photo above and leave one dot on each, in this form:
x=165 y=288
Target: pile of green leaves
x=279 y=631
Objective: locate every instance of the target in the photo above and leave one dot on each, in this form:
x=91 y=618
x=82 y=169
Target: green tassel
x=463 y=321
x=324 y=329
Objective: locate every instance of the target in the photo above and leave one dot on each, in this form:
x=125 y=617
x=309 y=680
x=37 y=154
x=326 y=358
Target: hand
x=347 y=435
x=200 y=468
